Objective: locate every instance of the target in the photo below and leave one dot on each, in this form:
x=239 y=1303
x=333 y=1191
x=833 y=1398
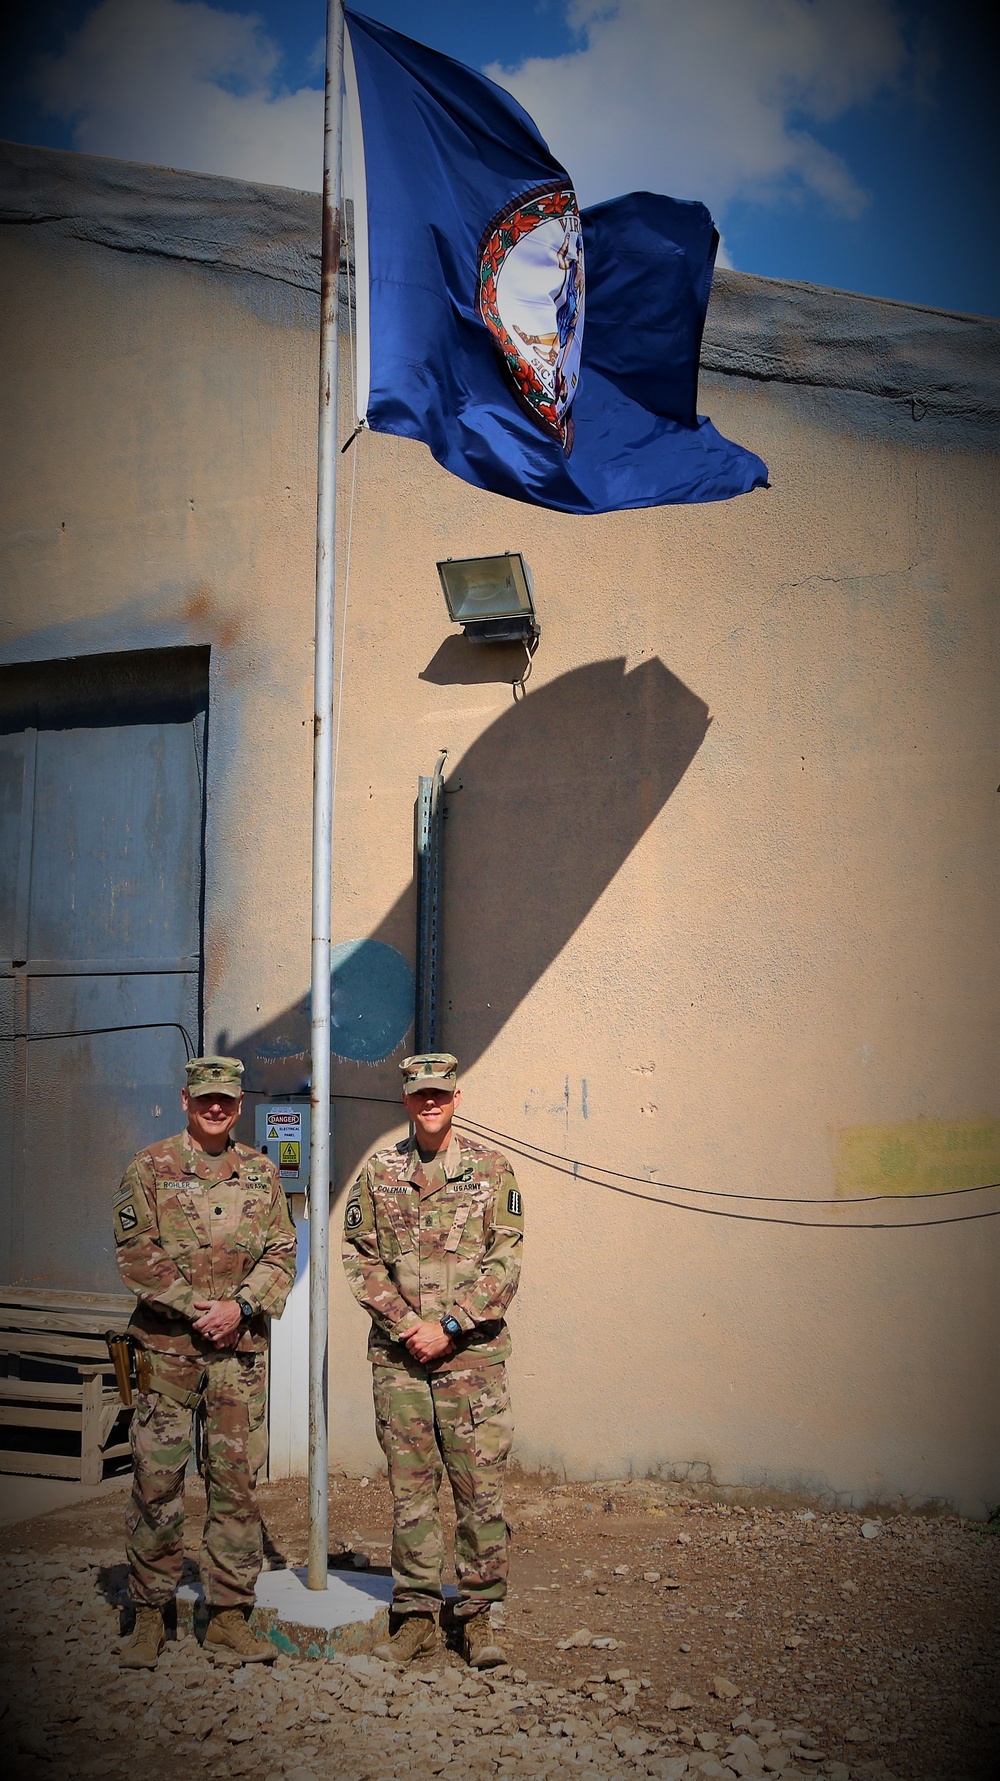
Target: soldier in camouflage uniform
x=432 y=1250
x=205 y=1241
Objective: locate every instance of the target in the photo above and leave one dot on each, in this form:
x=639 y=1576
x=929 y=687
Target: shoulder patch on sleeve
x=509 y=1210
x=359 y=1214
x=132 y=1216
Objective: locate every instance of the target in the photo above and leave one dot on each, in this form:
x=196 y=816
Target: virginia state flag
x=540 y=351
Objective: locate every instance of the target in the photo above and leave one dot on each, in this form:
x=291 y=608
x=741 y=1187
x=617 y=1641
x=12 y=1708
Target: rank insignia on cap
x=429 y=1069
x=219 y=1075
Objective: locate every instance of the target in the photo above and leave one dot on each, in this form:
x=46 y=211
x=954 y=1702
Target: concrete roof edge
x=768 y=330
x=774 y=330
x=802 y=286
x=268 y=231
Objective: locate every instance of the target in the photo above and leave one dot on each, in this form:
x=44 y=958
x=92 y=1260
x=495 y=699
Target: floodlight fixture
x=491 y=598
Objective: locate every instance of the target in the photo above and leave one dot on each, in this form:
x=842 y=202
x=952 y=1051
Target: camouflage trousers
x=234 y=1388
x=460 y=1423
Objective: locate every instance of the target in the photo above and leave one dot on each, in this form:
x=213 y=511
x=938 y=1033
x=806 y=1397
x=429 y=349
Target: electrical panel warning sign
x=283 y=1135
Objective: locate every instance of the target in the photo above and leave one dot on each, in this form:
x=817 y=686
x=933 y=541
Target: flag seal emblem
x=531 y=298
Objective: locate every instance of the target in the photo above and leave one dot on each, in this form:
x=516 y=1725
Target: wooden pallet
x=56 y=1375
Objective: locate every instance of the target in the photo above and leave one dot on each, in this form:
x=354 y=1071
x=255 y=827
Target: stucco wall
x=720 y=890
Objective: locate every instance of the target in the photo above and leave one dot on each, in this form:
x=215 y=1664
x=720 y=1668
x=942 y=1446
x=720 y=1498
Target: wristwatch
x=451 y=1327
x=246 y=1309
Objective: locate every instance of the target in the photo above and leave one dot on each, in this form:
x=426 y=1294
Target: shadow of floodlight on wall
x=459 y=662
x=554 y=796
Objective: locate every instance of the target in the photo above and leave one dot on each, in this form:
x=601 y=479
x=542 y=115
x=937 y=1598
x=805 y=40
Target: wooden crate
x=56 y=1376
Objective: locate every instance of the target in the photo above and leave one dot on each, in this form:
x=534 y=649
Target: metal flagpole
x=322 y=858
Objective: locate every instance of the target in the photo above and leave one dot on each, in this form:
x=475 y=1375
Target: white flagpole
x=322 y=858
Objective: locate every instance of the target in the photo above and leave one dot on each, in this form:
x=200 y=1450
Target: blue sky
x=847 y=142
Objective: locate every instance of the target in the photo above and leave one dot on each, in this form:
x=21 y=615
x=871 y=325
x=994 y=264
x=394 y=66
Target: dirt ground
x=874 y=1639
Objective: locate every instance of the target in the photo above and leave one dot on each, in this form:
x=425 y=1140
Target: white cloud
x=711 y=99
x=182 y=84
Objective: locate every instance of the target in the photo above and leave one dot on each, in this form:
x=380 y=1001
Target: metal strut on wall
x=430 y=816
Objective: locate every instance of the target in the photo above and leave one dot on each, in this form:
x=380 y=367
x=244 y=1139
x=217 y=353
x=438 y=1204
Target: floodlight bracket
x=523 y=628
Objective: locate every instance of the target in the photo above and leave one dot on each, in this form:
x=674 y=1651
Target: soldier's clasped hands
x=427 y=1342
x=220 y=1321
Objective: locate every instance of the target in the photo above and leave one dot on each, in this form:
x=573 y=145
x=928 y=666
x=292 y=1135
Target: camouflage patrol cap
x=218 y=1075
x=429 y=1069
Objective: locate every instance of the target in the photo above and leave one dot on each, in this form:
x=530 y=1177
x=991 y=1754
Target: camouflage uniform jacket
x=192 y=1226
x=414 y=1251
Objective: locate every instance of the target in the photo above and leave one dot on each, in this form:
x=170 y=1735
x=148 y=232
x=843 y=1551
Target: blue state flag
x=540 y=351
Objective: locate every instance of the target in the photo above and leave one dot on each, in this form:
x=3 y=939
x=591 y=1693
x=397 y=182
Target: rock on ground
x=776 y=1644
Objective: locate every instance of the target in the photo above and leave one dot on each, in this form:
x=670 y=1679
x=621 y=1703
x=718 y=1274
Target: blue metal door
x=101 y=843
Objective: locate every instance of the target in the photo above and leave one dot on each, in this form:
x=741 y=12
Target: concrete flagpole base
x=351 y=1615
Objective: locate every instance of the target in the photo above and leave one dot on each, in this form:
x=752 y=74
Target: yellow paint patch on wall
x=921 y=1156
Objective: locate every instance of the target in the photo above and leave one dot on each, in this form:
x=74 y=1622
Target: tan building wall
x=721 y=889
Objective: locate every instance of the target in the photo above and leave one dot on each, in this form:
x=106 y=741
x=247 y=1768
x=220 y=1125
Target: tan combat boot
x=147 y=1641
x=229 y=1640
x=479 y=1645
x=415 y=1635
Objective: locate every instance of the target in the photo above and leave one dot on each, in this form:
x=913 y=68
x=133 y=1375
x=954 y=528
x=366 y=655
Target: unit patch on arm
x=509 y=1212
x=132 y=1215
x=359 y=1216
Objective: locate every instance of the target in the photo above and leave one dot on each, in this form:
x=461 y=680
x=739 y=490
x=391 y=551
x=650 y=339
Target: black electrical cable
x=131 y=1026
x=718 y=1193
x=566 y=1166
x=574 y=1170
x=801 y=1224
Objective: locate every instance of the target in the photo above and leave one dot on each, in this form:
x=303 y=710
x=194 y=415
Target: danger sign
x=283 y=1136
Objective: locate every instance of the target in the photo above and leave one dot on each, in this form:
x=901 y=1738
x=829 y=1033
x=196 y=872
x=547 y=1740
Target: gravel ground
x=650 y=1632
